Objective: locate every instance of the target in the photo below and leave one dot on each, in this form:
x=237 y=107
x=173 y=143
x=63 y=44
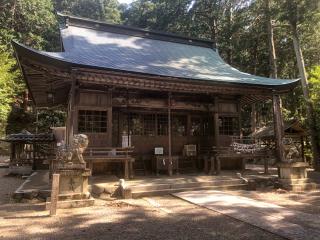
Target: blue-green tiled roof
x=123 y=52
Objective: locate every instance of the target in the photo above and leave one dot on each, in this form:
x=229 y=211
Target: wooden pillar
x=253 y=118
x=216 y=122
x=128 y=120
x=302 y=149
x=278 y=127
x=109 y=119
x=240 y=120
x=37 y=119
x=71 y=110
x=188 y=124
x=169 y=137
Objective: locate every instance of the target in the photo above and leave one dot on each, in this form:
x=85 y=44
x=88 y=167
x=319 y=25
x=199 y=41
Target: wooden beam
x=278 y=127
x=71 y=110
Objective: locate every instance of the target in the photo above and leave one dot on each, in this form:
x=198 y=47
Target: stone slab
x=72 y=203
x=20 y=170
x=36 y=185
x=273 y=218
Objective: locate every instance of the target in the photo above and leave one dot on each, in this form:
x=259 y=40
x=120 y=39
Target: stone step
x=296 y=181
x=79 y=203
x=300 y=187
x=139 y=194
x=173 y=185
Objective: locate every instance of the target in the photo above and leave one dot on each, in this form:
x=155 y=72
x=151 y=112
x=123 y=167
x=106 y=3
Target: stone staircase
x=162 y=189
x=156 y=187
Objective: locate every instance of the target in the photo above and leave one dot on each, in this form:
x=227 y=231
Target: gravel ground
x=150 y=218
x=162 y=218
x=8 y=184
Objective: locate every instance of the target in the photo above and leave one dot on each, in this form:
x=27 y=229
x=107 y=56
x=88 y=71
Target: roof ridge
x=134 y=31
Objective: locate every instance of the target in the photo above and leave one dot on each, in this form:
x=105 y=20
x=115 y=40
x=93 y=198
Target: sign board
x=158 y=151
x=125 y=141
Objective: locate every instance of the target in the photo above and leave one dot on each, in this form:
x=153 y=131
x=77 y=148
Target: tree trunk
x=230 y=23
x=214 y=33
x=278 y=127
x=277 y=102
x=304 y=84
x=272 y=51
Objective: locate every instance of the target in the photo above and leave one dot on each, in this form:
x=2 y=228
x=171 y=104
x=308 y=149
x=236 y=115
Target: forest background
x=254 y=36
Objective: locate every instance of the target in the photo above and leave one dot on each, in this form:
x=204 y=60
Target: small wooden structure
x=29 y=151
x=294 y=134
x=153 y=89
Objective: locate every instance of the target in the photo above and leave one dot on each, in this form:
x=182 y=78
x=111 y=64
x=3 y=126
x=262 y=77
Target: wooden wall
x=98 y=101
x=144 y=145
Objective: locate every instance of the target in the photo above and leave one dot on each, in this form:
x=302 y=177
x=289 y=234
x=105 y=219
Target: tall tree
x=272 y=50
x=31 y=22
x=296 y=12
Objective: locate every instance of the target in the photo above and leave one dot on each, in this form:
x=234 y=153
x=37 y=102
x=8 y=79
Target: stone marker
x=54 y=194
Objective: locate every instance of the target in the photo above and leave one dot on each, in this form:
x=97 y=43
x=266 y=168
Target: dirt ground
x=149 y=218
x=134 y=219
x=162 y=218
x=8 y=184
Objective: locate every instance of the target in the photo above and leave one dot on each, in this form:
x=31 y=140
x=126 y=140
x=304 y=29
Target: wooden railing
x=110 y=154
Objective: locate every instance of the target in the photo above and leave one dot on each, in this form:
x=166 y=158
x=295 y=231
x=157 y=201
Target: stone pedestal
x=293 y=176
x=73 y=187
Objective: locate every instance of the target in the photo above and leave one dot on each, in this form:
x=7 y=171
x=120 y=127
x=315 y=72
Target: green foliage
x=10 y=85
x=31 y=22
x=50 y=118
x=314 y=82
x=237 y=26
x=103 y=10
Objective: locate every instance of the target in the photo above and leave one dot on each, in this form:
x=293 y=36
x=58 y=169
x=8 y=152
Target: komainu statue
x=292 y=153
x=73 y=154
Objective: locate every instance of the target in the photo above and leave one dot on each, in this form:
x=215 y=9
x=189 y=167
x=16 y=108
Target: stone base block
x=73 y=181
x=297 y=170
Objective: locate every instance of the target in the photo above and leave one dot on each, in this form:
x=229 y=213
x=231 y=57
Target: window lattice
x=228 y=125
x=162 y=120
x=179 y=125
x=149 y=123
x=92 y=121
